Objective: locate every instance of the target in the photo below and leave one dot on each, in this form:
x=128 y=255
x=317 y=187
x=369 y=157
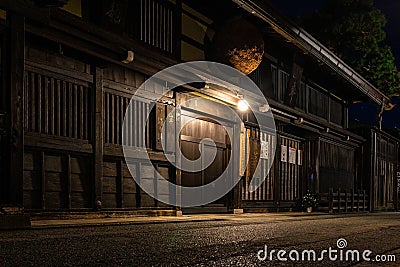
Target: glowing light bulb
x=243 y=105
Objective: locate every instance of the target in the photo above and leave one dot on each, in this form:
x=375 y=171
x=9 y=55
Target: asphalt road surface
x=234 y=241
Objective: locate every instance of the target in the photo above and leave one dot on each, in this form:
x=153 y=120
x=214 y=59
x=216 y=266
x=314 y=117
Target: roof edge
x=309 y=44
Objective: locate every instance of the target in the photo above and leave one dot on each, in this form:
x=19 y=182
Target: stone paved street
x=223 y=240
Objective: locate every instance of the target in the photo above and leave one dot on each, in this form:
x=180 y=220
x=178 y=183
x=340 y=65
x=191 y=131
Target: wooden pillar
x=397 y=181
x=69 y=176
x=234 y=202
x=277 y=170
x=312 y=164
x=98 y=135
x=330 y=200
x=316 y=166
x=15 y=88
x=372 y=175
x=178 y=179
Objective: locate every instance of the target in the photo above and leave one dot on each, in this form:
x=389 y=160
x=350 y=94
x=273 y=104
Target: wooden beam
x=98 y=135
x=16 y=98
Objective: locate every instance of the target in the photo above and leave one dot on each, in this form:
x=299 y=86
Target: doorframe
x=233 y=200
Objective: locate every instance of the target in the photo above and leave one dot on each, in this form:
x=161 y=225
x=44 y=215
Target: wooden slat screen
x=57 y=105
x=318 y=103
x=336 y=112
x=303 y=97
x=264 y=77
x=274 y=74
x=290 y=173
x=336 y=167
x=156 y=24
x=251 y=144
x=283 y=83
x=385 y=172
x=115 y=107
x=336 y=157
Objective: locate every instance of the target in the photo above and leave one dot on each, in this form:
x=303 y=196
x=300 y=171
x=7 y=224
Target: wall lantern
x=242 y=104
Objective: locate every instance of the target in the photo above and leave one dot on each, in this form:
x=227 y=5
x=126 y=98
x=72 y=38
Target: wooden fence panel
x=343 y=201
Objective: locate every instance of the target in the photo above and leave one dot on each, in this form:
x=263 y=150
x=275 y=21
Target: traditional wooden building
x=69 y=69
x=380 y=166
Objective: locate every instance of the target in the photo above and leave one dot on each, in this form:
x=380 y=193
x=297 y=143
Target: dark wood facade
x=379 y=169
x=65 y=91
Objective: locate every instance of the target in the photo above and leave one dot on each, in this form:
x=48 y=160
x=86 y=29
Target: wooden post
x=364 y=200
x=178 y=176
x=330 y=200
x=138 y=189
x=317 y=153
x=397 y=188
x=345 y=200
x=352 y=200
x=234 y=197
x=15 y=74
x=98 y=134
x=68 y=165
x=277 y=174
x=358 y=200
x=339 y=202
x=373 y=171
x=43 y=180
x=120 y=184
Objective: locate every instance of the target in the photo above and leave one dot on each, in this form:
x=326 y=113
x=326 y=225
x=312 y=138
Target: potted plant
x=309 y=201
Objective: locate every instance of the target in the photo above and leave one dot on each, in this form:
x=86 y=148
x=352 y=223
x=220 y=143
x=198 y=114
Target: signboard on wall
x=398 y=182
x=284 y=153
x=243 y=154
x=299 y=157
x=292 y=155
x=264 y=151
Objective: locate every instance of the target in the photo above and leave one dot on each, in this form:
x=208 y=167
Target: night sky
x=390 y=8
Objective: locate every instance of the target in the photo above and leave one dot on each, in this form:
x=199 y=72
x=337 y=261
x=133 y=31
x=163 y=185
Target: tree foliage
x=353 y=29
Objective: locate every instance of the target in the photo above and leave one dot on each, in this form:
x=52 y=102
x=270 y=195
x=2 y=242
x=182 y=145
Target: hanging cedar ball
x=237 y=43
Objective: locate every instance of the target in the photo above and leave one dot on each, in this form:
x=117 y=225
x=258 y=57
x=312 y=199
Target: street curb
x=281 y=217
x=97 y=224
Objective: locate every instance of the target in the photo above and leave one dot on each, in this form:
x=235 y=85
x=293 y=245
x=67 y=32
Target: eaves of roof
x=310 y=45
